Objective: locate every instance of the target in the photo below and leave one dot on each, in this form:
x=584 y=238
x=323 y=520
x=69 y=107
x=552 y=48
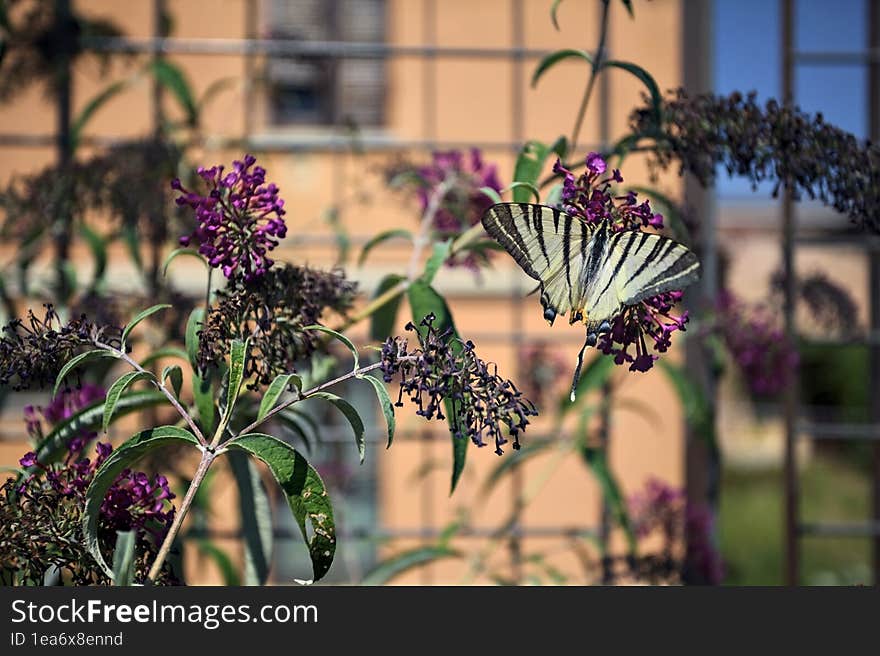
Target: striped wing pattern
x=588 y=269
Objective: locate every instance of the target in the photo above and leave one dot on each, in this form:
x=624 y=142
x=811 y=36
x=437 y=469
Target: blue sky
x=747 y=57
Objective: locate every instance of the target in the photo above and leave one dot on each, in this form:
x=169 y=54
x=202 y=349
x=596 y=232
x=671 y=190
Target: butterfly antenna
x=590 y=341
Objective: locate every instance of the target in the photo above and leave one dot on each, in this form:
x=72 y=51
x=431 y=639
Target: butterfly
x=588 y=269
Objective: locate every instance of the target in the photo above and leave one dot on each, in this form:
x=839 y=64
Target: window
x=321 y=89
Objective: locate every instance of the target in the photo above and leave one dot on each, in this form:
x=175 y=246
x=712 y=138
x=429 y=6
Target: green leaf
x=256 y=518
x=237 y=359
x=189 y=252
x=221 y=559
x=193 y=326
x=424 y=300
x=90 y=418
x=172 y=77
x=597 y=461
x=98 y=247
x=646 y=79
x=125 y=456
x=528 y=186
x=530 y=163
x=383 y=319
x=176 y=374
x=140 y=317
x=276 y=388
x=553 y=9
x=298 y=422
x=513 y=461
x=124 y=558
x=166 y=352
x=203 y=395
x=595 y=375
x=79 y=123
x=386 y=570
x=438 y=257
x=492 y=194
x=629 y=7
x=115 y=392
x=380 y=238
x=305 y=492
x=342 y=338
x=346 y=408
x=555 y=57
x=697 y=409
x=73 y=363
x=384 y=403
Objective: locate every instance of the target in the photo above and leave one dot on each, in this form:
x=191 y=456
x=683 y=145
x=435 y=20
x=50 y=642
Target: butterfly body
x=589 y=271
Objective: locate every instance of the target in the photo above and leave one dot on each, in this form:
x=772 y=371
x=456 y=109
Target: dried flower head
x=776 y=142
x=33 y=351
x=443 y=368
x=238 y=221
x=641 y=331
x=271 y=312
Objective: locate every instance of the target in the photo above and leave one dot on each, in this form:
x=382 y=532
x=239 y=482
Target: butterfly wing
x=636 y=265
x=551 y=246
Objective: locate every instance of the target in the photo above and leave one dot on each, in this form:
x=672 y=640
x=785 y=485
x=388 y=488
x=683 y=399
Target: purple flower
x=596 y=164
x=463 y=203
x=60 y=408
x=238 y=221
x=29 y=459
x=757 y=344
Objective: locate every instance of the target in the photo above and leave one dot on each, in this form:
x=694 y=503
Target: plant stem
x=204 y=464
x=161 y=387
x=304 y=395
x=598 y=60
x=423 y=238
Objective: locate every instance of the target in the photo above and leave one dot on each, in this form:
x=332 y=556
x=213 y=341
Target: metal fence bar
x=840 y=529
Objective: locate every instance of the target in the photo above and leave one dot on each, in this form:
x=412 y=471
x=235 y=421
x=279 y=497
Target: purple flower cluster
x=63 y=406
x=133 y=502
x=757 y=344
x=238 y=221
x=463 y=203
x=443 y=368
x=662 y=509
x=646 y=328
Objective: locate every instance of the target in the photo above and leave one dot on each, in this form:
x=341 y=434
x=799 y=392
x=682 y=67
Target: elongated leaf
x=646 y=78
x=115 y=392
x=408 y=560
x=178 y=252
x=98 y=247
x=340 y=337
x=124 y=558
x=166 y=352
x=140 y=317
x=90 y=418
x=596 y=374
x=527 y=186
x=193 y=326
x=79 y=123
x=237 y=358
x=384 y=403
x=256 y=518
x=554 y=8
x=222 y=560
x=397 y=233
x=424 y=300
x=297 y=423
x=596 y=460
x=555 y=57
x=174 y=372
x=383 y=319
x=346 y=408
x=73 y=363
x=203 y=395
x=305 y=492
x=126 y=455
x=492 y=194
x=172 y=77
x=513 y=461
x=276 y=388
x=697 y=409
x=438 y=256
x=529 y=164
x=629 y=8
